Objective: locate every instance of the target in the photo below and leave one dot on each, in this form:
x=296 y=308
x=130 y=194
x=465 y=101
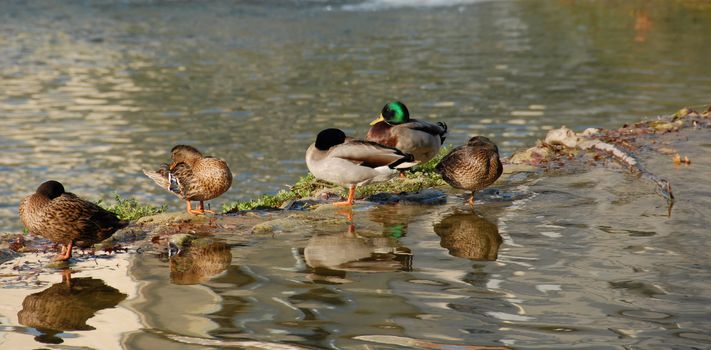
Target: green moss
x=130 y=209
x=423 y=176
x=305 y=187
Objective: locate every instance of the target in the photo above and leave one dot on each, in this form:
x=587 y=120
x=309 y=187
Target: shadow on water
x=66 y=306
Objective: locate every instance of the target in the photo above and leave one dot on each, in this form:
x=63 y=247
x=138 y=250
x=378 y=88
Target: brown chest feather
x=381 y=133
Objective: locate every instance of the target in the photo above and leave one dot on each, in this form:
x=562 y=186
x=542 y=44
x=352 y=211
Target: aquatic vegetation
x=423 y=176
x=130 y=209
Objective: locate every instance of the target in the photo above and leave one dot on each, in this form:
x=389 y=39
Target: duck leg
x=471 y=199
x=189 y=208
x=199 y=210
x=66 y=252
x=351 y=197
x=202 y=208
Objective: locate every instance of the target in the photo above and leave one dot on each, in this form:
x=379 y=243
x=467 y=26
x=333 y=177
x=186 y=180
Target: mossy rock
x=429 y=196
x=172 y=218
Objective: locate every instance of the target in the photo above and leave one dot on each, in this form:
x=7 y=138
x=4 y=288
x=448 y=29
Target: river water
x=93 y=92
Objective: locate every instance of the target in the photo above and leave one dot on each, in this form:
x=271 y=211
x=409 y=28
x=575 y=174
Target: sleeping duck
x=64 y=218
x=193 y=177
x=394 y=128
x=348 y=162
x=471 y=167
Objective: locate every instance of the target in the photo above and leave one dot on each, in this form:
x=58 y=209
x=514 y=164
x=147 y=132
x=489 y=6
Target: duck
x=64 y=218
x=394 y=128
x=349 y=162
x=471 y=167
x=193 y=177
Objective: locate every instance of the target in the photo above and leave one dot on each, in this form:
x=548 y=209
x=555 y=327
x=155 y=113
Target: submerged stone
x=181 y=240
x=7 y=254
x=429 y=196
x=57 y=264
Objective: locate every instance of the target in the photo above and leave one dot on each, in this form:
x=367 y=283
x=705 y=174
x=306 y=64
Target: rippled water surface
x=93 y=92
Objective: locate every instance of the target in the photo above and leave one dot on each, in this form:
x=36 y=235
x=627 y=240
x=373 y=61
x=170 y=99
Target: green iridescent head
x=394 y=113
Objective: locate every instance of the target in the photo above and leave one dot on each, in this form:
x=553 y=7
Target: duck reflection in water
x=203 y=260
x=395 y=218
x=66 y=306
x=468 y=235
x=330 y=256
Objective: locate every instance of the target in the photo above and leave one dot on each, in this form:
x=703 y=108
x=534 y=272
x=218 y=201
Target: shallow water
x=585 y=260
x=91 y=94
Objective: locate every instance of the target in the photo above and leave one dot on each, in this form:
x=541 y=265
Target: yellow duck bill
x=377 y=120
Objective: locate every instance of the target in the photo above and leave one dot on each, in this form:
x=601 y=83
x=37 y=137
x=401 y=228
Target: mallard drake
x=64 y=218
x=193 y=177
x=348 y=162
x=471 y=167
x=394 y=128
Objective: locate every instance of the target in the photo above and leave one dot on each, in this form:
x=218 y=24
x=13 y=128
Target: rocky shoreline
x=561 y=151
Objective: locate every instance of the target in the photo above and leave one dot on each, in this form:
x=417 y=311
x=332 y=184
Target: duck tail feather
x=406 y=161
x=161 y=177
x=443 y=135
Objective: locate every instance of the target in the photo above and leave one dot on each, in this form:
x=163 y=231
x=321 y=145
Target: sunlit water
x=90 y=94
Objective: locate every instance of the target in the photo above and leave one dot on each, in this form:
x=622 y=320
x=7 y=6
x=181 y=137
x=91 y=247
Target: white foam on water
x=373 y=5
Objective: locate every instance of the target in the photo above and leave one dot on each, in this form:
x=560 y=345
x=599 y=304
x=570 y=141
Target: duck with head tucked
x=193 y=177
x=64 y=218
x=471 y=167
x=394 y=128
x=348 y=162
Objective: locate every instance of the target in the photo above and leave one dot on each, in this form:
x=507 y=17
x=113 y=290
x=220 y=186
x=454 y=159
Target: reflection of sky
x=91 y=94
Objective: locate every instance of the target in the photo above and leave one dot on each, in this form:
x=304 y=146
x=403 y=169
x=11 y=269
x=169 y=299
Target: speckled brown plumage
x=192 y=176
x=473 y=166
x=64 y=218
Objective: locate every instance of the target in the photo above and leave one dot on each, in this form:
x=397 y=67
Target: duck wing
x=371 y=154
x=439 y=129
x=175 y=178
x=81 y=219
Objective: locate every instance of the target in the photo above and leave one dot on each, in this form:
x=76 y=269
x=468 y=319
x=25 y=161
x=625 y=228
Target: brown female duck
x=193 y=177
x=471 y=167
x=64 y=218
x=394 y=128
